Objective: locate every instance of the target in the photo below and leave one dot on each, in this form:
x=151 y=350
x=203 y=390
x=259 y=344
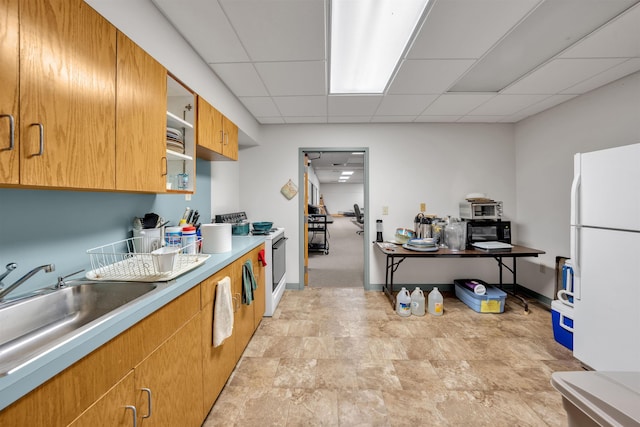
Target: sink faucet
x=10 y=267
x=48 y=268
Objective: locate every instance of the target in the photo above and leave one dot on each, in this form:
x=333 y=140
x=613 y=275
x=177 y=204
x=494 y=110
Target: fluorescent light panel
x=368 y=38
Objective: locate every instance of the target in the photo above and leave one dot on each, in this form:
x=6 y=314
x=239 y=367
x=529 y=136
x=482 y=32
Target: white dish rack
x=131 y=260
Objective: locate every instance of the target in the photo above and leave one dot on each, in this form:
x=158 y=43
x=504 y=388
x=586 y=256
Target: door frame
x=302 y=151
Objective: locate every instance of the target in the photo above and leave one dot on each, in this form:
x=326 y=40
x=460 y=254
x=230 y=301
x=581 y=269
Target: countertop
x=29 y=376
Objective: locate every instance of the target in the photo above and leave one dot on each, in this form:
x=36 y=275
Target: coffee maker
x=422 y=226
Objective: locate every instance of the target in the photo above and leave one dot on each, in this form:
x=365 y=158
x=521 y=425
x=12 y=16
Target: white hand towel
x=222 y=312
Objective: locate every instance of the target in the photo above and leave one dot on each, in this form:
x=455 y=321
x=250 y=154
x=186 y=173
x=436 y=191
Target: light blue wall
x=50 y=226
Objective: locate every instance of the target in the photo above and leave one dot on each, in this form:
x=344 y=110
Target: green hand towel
x=249 y=283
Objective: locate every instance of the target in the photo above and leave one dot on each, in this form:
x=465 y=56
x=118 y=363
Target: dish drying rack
x=131 y=260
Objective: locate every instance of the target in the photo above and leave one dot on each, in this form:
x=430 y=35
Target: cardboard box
x=491 y=302
x=562 y=320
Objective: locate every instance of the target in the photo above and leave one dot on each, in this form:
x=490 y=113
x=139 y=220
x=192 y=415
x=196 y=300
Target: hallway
x=343 y=266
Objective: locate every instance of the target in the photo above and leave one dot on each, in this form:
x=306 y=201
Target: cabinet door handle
x=148 y=391
x=166 y=166
x=12 y=132
x=222 y=137
x=41 y=132
x=135 y=414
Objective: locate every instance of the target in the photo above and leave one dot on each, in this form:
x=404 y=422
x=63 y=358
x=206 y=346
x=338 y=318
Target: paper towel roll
x=216 y=238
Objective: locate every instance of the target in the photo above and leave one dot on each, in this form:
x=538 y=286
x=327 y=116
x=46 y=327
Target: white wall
x=545 y=145
x=341 y=197
x=408 y=164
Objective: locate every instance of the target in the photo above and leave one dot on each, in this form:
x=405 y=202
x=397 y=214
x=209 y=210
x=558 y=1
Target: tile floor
x=342 y=357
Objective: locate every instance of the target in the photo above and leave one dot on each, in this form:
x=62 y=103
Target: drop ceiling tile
x=550 y=28
x=270 y=120
x=392 y=119
x=612 y=74
x=545 y=104
x=619 y=38
x=479 y=119
x=260 y=106
x=241 y=78
x=279 y=30
x=293 y=78
x=505 y=105
x=293 y=119
x=204 y=25
x=349 y=119
x=354 y=105
x=301 y=106
x=457 y=104
x=559 y=74
x=437 y=119
x=428 y=76
x=466 y=28
x=404 y=105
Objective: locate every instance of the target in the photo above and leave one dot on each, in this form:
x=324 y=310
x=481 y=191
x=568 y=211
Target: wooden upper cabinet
x=230 y=144
x=216 y=136
x=67 y=95
x=141 y=104
x=209 y=131
x=9 y=113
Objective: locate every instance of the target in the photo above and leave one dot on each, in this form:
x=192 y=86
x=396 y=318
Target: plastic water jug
x=403 y=303
x=436 y=305
x=417 y=302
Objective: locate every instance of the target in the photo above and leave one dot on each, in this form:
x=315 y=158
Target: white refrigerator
x=605 y=252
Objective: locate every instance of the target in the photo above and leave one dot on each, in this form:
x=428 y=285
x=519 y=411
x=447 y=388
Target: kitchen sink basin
x=34 y=325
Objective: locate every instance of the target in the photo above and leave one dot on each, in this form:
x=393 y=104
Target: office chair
x=359 y=218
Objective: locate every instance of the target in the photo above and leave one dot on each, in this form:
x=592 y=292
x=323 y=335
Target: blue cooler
x=562 y=320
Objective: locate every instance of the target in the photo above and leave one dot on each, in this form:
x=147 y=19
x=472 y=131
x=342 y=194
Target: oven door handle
x=279 y=243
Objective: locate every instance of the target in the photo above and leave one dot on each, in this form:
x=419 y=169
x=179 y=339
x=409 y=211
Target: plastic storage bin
x=491 y=302
x=562 y=320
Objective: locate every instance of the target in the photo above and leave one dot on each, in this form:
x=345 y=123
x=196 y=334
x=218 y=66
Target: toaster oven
x=484 y=210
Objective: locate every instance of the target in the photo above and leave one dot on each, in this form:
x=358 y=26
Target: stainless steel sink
x=33 y=325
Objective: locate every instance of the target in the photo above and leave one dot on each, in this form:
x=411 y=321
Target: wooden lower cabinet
x=172 y=374
x=113 y=409
x=218 y=362
x=165 y=388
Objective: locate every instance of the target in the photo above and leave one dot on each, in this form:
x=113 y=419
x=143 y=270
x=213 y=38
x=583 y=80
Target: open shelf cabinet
x=181 y=169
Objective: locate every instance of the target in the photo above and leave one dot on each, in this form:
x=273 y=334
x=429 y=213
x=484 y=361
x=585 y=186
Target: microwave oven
x=484 y=210
x=488 y=231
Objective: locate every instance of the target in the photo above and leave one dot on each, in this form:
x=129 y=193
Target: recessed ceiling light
x=347 y=173
x=368 y=38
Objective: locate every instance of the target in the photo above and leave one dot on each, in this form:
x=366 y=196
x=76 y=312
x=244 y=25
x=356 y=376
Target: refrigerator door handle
x=574 y=250
x=575 y=202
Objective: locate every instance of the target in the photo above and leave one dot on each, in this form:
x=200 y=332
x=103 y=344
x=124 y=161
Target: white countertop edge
x=26 y=378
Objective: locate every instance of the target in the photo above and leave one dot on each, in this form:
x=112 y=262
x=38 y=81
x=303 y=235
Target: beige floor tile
x=312 y=408
x=343 y=357
x=362 y=408
x=296 y=373
x=334 y=374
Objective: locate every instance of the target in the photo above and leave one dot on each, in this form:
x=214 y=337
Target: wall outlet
x=423 y=207
x=187 y=197
x=385 y=210
x=543 y=269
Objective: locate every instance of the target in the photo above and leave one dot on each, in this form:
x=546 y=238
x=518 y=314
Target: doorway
x=335 y=252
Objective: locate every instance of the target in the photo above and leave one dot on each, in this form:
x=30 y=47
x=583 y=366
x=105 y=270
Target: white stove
x=275 y=276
